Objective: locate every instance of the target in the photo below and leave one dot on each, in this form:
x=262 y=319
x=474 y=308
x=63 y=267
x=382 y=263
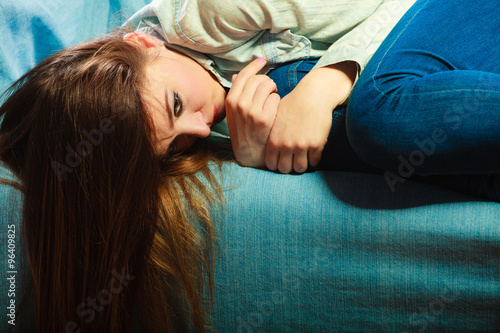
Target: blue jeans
x=428 y=102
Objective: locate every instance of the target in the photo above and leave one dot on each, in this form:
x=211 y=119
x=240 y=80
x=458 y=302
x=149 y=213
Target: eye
x=177 y=105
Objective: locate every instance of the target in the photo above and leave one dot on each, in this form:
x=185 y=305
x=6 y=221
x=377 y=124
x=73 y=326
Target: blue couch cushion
x=323 y=251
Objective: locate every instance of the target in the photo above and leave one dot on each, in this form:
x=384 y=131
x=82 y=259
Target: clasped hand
x=288 y=134
x=251 y=108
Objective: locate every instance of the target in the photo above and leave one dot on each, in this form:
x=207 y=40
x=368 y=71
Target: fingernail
x=261 y=59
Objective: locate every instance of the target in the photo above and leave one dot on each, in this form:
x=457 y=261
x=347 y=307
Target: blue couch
x=318 y=252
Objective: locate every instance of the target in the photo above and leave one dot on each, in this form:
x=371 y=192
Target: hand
x=251 y=108
x=304 y=118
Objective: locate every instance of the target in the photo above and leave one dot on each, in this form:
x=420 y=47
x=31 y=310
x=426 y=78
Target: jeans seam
x=293 y=71
x=444 y=91
x=338 y=116
x=389 y=48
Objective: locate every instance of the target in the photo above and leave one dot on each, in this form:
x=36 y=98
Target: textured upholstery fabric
x=319 y=252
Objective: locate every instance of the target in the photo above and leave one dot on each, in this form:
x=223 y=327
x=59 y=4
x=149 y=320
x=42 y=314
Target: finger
x=267 y=117
x=250 y=70
x=233 y=97
x=314 y=156
x=262 y=93
x=265 y=120
x=270 y=109
x=285 y=163
x=300 y=161
x=253 y=67
x=272 y=157
x=257 y=85
x=233 y=128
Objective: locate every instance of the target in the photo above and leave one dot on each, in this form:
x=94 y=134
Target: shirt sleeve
x=360 y=43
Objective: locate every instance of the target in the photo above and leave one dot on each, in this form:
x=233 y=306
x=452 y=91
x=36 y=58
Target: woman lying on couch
x=102 y=135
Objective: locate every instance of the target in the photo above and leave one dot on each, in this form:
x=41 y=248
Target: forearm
x=330 y=85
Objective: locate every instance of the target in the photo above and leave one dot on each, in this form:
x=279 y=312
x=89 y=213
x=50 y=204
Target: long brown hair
x=115 y=235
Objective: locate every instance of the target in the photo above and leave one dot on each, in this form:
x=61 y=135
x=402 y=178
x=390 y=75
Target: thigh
x=439 y=37
x=435 y=76
x=444 y=35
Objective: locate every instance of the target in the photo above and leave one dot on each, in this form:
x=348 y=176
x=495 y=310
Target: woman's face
x=184 y=98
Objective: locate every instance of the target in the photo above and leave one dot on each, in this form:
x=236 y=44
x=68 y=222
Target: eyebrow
x=170 y=114
x=167 y=106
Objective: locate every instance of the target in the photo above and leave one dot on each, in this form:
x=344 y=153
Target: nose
x=192 y=127
x=195 y=125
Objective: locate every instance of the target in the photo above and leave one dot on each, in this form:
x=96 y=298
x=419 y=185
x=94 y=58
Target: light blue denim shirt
x=224 y=35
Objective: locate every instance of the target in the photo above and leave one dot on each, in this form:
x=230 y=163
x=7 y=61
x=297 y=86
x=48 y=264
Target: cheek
x=197 y=85
x=197 y=93
x=162 y=129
